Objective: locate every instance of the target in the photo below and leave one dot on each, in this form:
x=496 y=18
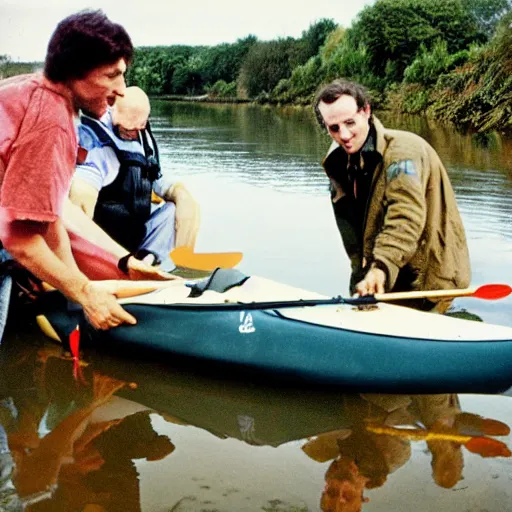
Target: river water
x=161 y=436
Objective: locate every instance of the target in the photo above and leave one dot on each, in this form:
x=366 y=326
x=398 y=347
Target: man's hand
x=102 y=309
x=373 y=282
x=187 y=215
x=141 y=270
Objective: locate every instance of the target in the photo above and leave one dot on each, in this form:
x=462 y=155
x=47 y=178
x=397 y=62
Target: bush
x=479 y=94
x=221 y=89
x=430 y=64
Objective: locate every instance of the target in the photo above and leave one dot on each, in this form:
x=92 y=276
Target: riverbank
x=203 y=98
x=393 y=104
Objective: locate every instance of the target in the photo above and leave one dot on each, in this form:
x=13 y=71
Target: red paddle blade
x=487 y=447
x=492 y=291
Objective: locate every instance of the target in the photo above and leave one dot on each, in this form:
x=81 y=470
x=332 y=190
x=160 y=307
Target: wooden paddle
x=484 y=446
x=186 y=258
x=124 y=289
x=486 y=291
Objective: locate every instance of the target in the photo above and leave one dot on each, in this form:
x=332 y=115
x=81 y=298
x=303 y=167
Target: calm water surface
x=130 y=436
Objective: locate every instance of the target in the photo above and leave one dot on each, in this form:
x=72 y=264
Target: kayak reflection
x=75 y=444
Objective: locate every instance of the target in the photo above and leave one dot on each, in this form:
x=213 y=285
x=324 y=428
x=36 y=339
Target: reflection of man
x=392 y=199
x=362 y=459
x=119 y=172
x=344 y=487
x=86 y=457
x=84 y=69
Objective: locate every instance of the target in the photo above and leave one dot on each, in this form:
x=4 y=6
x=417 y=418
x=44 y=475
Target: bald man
x=117 y=174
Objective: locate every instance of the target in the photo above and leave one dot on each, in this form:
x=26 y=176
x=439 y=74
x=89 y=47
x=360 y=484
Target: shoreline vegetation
x=450 y=60
x=203 y=98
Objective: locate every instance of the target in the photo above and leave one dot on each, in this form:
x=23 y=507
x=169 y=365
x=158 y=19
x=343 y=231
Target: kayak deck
x=385 y=319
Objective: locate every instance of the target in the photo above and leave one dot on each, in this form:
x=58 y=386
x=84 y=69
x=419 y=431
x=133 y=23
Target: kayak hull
x=324 y=354
x=266 y=341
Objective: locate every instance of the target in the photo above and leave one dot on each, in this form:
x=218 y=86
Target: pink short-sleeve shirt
x=37 y=149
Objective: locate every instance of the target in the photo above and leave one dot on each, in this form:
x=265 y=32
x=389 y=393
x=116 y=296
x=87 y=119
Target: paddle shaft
x=242 y=306
x=425 y=294
x=419 y=434
x=483 y=292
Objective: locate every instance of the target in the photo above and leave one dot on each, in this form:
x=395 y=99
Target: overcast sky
x=26 y=25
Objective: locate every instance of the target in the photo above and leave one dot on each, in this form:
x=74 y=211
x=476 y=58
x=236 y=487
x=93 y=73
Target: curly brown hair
x=83 y=42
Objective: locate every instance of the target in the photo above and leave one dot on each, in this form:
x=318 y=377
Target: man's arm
x=187 y=214
x=83 y=195
x=77 y=221
x=44 y=249
x=404 y=222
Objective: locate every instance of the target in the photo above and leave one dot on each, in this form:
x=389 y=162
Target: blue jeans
x=161 y=234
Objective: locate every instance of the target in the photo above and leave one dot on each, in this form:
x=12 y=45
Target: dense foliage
x=447 y=58
x=254 y=66
x=479 y=94
x=488 y=13
x=394 y=31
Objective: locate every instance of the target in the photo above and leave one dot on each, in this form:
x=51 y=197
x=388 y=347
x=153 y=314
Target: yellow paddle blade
x=416 y=434
x=185 y=257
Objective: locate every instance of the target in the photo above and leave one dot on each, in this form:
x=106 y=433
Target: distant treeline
x=9 y=68
x=449 y=59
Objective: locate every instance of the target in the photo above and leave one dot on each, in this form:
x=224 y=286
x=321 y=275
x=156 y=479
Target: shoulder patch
x=406 y=167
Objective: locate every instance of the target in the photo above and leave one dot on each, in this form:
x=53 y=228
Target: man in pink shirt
x=84 y=70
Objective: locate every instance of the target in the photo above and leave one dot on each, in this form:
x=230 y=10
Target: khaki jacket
x=412 y=224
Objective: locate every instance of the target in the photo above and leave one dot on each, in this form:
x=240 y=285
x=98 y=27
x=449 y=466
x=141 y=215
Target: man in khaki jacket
x=393 y=201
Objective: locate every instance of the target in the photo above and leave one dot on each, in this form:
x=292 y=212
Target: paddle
x=488 y=291
x=186 y=258
x=484 y=446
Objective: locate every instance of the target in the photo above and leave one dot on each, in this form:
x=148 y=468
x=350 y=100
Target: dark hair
x=83 y=42
x=331 y=92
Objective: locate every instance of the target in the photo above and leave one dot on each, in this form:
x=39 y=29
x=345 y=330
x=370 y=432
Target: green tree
x=430 y=64
x=223 y=62
x=301 y=85
x=332 y=41
x=394 y=30
x=479 y=95
x=265 y=64
x=314 y=37
x=488 y=13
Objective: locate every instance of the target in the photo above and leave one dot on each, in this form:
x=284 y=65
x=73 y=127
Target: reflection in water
x=373 y=447
x=81 y=447
x=70 y=445
x=252 y=144
x=284 y=147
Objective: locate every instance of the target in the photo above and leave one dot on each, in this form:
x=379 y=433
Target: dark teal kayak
x=385 y=348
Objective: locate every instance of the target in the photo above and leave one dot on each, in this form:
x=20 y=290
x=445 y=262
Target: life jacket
x=124 y=206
